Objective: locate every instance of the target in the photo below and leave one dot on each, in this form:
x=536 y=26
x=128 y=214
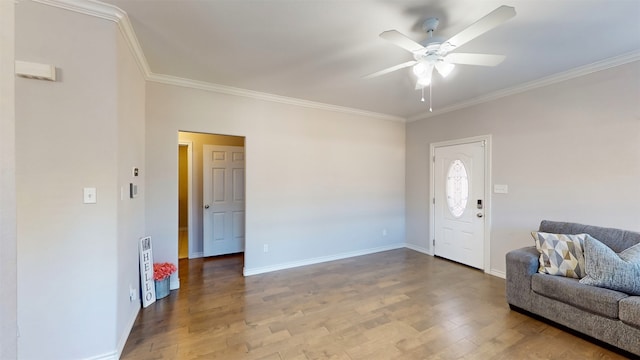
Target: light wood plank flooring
x=397 y=304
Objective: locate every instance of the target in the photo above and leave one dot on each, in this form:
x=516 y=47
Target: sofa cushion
x=613 y=271
x=616 y=239
x=560 y=254
x=597 y=300
x=630 y=311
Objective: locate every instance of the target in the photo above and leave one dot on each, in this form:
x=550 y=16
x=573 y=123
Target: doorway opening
x=184 y=190
x=203 y=219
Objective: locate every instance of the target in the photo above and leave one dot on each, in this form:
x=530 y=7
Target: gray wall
x=76 y=261
x=319 y=183
x=8 y=259
x=568 y=151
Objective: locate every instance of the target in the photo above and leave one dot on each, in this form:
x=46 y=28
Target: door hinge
x=434 y=159
x=433 y=201
x=434 y=242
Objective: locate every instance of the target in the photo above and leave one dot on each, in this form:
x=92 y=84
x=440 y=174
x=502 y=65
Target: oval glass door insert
x=457 y=188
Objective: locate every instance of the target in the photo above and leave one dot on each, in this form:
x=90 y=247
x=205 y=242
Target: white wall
x=131 y=220
x=75 y=260
x=319 y=183
x=8 y=259
x=568 y=152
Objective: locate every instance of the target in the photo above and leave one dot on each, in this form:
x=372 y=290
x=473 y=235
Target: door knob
x=206 y=206
x=479 y=215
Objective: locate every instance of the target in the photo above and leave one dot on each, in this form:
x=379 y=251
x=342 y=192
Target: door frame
x=487 y=192
x=189 y=145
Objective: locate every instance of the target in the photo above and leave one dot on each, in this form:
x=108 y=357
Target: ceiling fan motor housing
x=430 y=53
x=430 y=25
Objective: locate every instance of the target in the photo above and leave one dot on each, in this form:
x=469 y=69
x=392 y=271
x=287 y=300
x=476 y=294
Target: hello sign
x=146 y=272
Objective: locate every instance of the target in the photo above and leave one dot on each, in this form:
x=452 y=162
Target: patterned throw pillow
x=560 y=254
x=607 y=269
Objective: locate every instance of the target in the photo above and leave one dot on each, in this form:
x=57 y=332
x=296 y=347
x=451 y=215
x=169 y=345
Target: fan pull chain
x=422 y=94
x=430 y=109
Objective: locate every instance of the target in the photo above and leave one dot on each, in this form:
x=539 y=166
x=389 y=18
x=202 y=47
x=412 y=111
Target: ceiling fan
x=437 y=53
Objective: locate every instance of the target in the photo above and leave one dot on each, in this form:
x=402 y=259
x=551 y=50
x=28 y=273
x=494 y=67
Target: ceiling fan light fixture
x=434 y=52
x=444 y=68
x=420 y=69
x=424 y=81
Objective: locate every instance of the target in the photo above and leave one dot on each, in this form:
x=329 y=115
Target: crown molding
x=229 y=90
x=88 y=7
x=107 y=12
x=120 y=17
x=549 y=80
x=117 y=15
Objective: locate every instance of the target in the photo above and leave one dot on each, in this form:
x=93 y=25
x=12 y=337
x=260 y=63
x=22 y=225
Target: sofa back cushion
x=617 y=239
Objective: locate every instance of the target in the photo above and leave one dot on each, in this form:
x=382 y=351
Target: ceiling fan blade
x=488 y=22
x=474 y=59
x=391 y=69
x=401 y=40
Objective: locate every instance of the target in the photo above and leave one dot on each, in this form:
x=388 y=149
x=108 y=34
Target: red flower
x=162 y=271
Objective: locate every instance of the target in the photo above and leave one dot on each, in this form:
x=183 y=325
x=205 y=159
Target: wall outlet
x=384 y=232
x=265 y=248
x=133 y=294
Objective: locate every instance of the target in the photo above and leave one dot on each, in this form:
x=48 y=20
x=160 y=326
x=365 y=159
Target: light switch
x=500 y=189
x=89 y=195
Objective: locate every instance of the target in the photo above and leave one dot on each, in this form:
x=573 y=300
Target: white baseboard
x=196 y=255
x=498 y=273
x=174 y=283
x=108 y=356
x=115 y=355
x=494 y=272
x=317 y=260
x=417 y=248
x=125 y=335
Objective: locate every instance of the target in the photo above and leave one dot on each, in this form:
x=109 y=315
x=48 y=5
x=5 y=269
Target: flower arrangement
x=162 y=271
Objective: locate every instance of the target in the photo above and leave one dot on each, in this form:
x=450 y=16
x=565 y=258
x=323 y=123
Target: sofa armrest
x=521 y=265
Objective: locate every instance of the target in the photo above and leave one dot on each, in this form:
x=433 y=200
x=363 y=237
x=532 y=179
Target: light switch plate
x=90 y=195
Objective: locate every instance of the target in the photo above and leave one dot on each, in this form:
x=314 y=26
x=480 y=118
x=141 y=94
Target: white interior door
x=223 y=199
x=460 y=203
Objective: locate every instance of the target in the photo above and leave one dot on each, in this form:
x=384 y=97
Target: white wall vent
x=37 y=71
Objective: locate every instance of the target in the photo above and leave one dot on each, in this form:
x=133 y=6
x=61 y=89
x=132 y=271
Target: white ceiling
x=318 y=50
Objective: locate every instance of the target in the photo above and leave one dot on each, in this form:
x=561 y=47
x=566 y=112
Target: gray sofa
x=609 y=316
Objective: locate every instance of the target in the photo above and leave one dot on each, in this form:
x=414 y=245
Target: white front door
x=223 y=199
x=460 y=203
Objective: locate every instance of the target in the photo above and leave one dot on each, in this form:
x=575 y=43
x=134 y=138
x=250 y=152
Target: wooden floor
x=398 y=304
